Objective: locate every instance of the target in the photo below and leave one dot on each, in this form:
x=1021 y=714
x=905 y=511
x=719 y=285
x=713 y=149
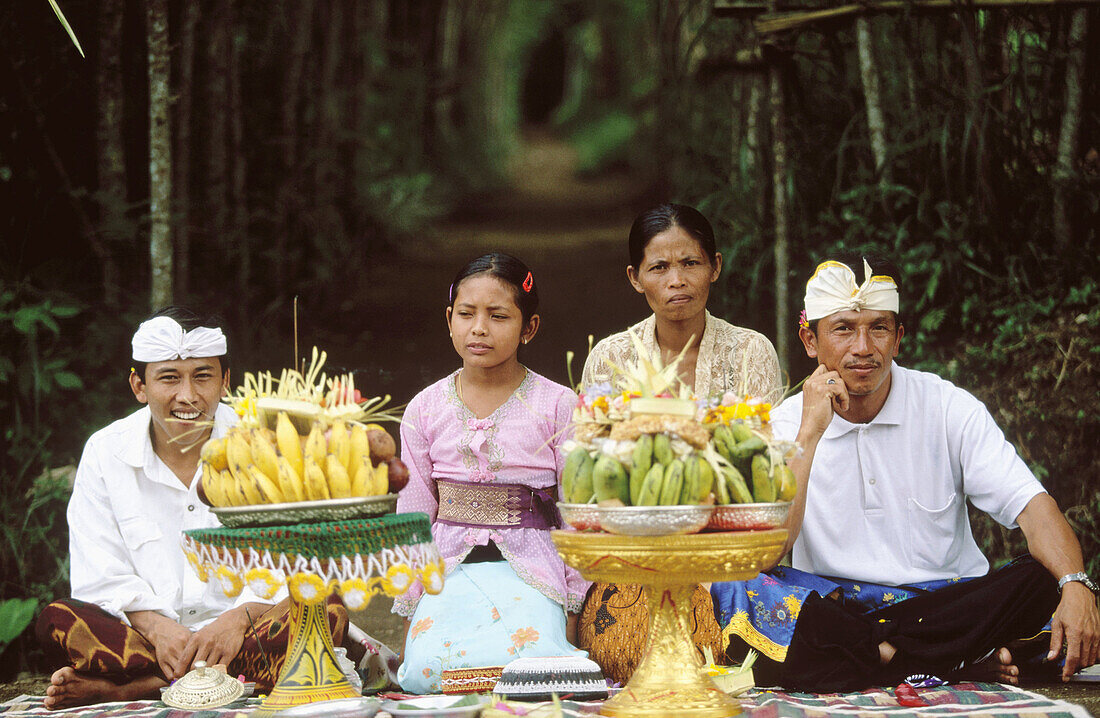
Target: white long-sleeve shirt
x=126 y=516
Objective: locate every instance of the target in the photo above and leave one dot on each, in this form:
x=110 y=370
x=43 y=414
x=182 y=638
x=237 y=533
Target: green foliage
x=604 y=142
x=15 y=615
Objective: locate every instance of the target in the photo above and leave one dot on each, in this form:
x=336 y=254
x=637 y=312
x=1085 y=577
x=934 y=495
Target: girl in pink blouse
x=482 y=449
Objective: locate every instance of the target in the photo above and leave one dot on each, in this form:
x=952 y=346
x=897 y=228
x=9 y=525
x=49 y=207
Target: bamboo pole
x=772 y=22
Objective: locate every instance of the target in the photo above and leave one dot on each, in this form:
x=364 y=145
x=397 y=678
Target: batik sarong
x=91 y=640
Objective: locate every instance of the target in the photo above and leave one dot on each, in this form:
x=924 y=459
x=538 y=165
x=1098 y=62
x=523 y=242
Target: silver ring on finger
x=831 y=381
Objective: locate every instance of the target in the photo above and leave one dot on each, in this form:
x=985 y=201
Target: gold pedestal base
x=310 y=673
x=668 y=681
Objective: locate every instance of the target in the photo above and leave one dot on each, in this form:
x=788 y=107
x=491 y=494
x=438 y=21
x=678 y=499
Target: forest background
x=239 y=154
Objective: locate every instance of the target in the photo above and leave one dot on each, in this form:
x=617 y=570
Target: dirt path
x=571 y=232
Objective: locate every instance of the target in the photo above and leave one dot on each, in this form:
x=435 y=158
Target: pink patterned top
x=516 y=444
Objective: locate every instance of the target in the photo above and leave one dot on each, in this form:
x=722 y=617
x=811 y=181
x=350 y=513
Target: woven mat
x=984 y=699
x=990 y=700
x=32 y=706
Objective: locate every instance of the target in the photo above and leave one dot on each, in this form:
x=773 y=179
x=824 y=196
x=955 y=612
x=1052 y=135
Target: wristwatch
x=1081 y=577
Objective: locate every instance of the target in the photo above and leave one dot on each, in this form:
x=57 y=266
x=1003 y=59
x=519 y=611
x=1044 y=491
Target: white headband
x=833 y=289
x=163 y=339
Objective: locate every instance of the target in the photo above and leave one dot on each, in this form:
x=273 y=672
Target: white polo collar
x=892 y=412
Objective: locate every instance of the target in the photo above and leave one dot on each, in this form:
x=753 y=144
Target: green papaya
x=582 y=482
x=735 y=485
x=651 y=487
x=609 y=480
x=662 y=449
x=642 y=458
x=569 y=472
x=744 y=449
x=785 y=485
x=723 y=441
x=722 y=491
x=673 y=482
x=741 y=432
x=763 y=490
x=706 y=480
x=690 y=487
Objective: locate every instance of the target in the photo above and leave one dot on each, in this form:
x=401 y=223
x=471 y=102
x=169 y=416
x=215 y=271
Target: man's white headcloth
x=833 y=289
x=163 y=339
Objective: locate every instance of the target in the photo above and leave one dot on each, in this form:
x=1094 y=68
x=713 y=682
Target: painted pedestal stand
x=356 y=559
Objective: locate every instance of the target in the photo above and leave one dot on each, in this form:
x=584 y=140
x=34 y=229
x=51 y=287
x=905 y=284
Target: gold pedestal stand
x=668 y=681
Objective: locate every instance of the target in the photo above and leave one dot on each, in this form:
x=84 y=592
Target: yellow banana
x=381 y=480
x=290 y=483
x=247 y=481
x=339 y=443
x=264 y=455
x=213 y=453
x=359 y=446
x=237 y=451
x=339 y=485
x=316 y=446
x=314 y=479
x=211 y=486
x=232 y=489
x=269 y=490
x=362 y=481
x=289 y=443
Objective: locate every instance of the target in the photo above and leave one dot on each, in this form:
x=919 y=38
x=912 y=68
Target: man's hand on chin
x=1076 y=622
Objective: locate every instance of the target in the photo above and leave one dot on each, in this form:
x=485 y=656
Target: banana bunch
x=746 y=454
x=656 y=476
x=259 y=465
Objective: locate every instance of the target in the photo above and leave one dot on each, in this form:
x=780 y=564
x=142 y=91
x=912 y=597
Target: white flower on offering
x=356 y=594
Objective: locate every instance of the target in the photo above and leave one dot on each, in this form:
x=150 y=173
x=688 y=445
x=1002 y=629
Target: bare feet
x=997 y=667
x=69 y=688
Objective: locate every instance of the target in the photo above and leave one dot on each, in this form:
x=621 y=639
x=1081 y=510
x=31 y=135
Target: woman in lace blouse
x=673 y=262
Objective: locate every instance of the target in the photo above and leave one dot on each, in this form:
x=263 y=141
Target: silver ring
x=831 y=381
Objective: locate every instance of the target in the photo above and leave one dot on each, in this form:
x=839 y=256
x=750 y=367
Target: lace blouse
x=516 y=444
x=730 y=359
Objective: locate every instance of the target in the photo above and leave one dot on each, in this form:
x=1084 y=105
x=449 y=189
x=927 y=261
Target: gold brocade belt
x=493 y=505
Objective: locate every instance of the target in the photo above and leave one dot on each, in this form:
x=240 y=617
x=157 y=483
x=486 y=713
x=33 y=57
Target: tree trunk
x=1071 y=123
x=289 y=205
x=182 y=164
x=869 y=76
x=238 y=196
x=160 y=154
x=110 y=159
x=781 y=209
x=216 y=194
x=753 y=133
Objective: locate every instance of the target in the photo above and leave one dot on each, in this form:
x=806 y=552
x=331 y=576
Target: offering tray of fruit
x=302 y=451
x=653 y=460
x=306 y=511
x=356 y=559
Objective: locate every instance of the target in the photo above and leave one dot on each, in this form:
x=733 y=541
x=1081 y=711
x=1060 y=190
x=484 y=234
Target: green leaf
x=68 y=380
x=65 y=24
x=25 y=318
x=64 y=312
x=15 y=615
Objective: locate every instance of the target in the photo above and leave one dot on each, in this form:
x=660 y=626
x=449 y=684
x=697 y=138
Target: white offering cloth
x=730 y=358
x=833 y=289
x=163 y=339
x=887 y=499
x=125 y=518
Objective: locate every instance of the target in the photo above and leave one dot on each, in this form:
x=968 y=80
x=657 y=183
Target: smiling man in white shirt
x=139 y=617
x=889 y=458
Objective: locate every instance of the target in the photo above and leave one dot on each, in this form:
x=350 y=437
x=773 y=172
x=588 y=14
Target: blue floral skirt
x=486 y=615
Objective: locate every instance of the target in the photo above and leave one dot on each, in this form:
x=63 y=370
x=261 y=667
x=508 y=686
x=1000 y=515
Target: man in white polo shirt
x=889 y=458
x=139 y=617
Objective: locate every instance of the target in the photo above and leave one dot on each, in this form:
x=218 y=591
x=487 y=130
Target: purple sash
x=462 y=503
